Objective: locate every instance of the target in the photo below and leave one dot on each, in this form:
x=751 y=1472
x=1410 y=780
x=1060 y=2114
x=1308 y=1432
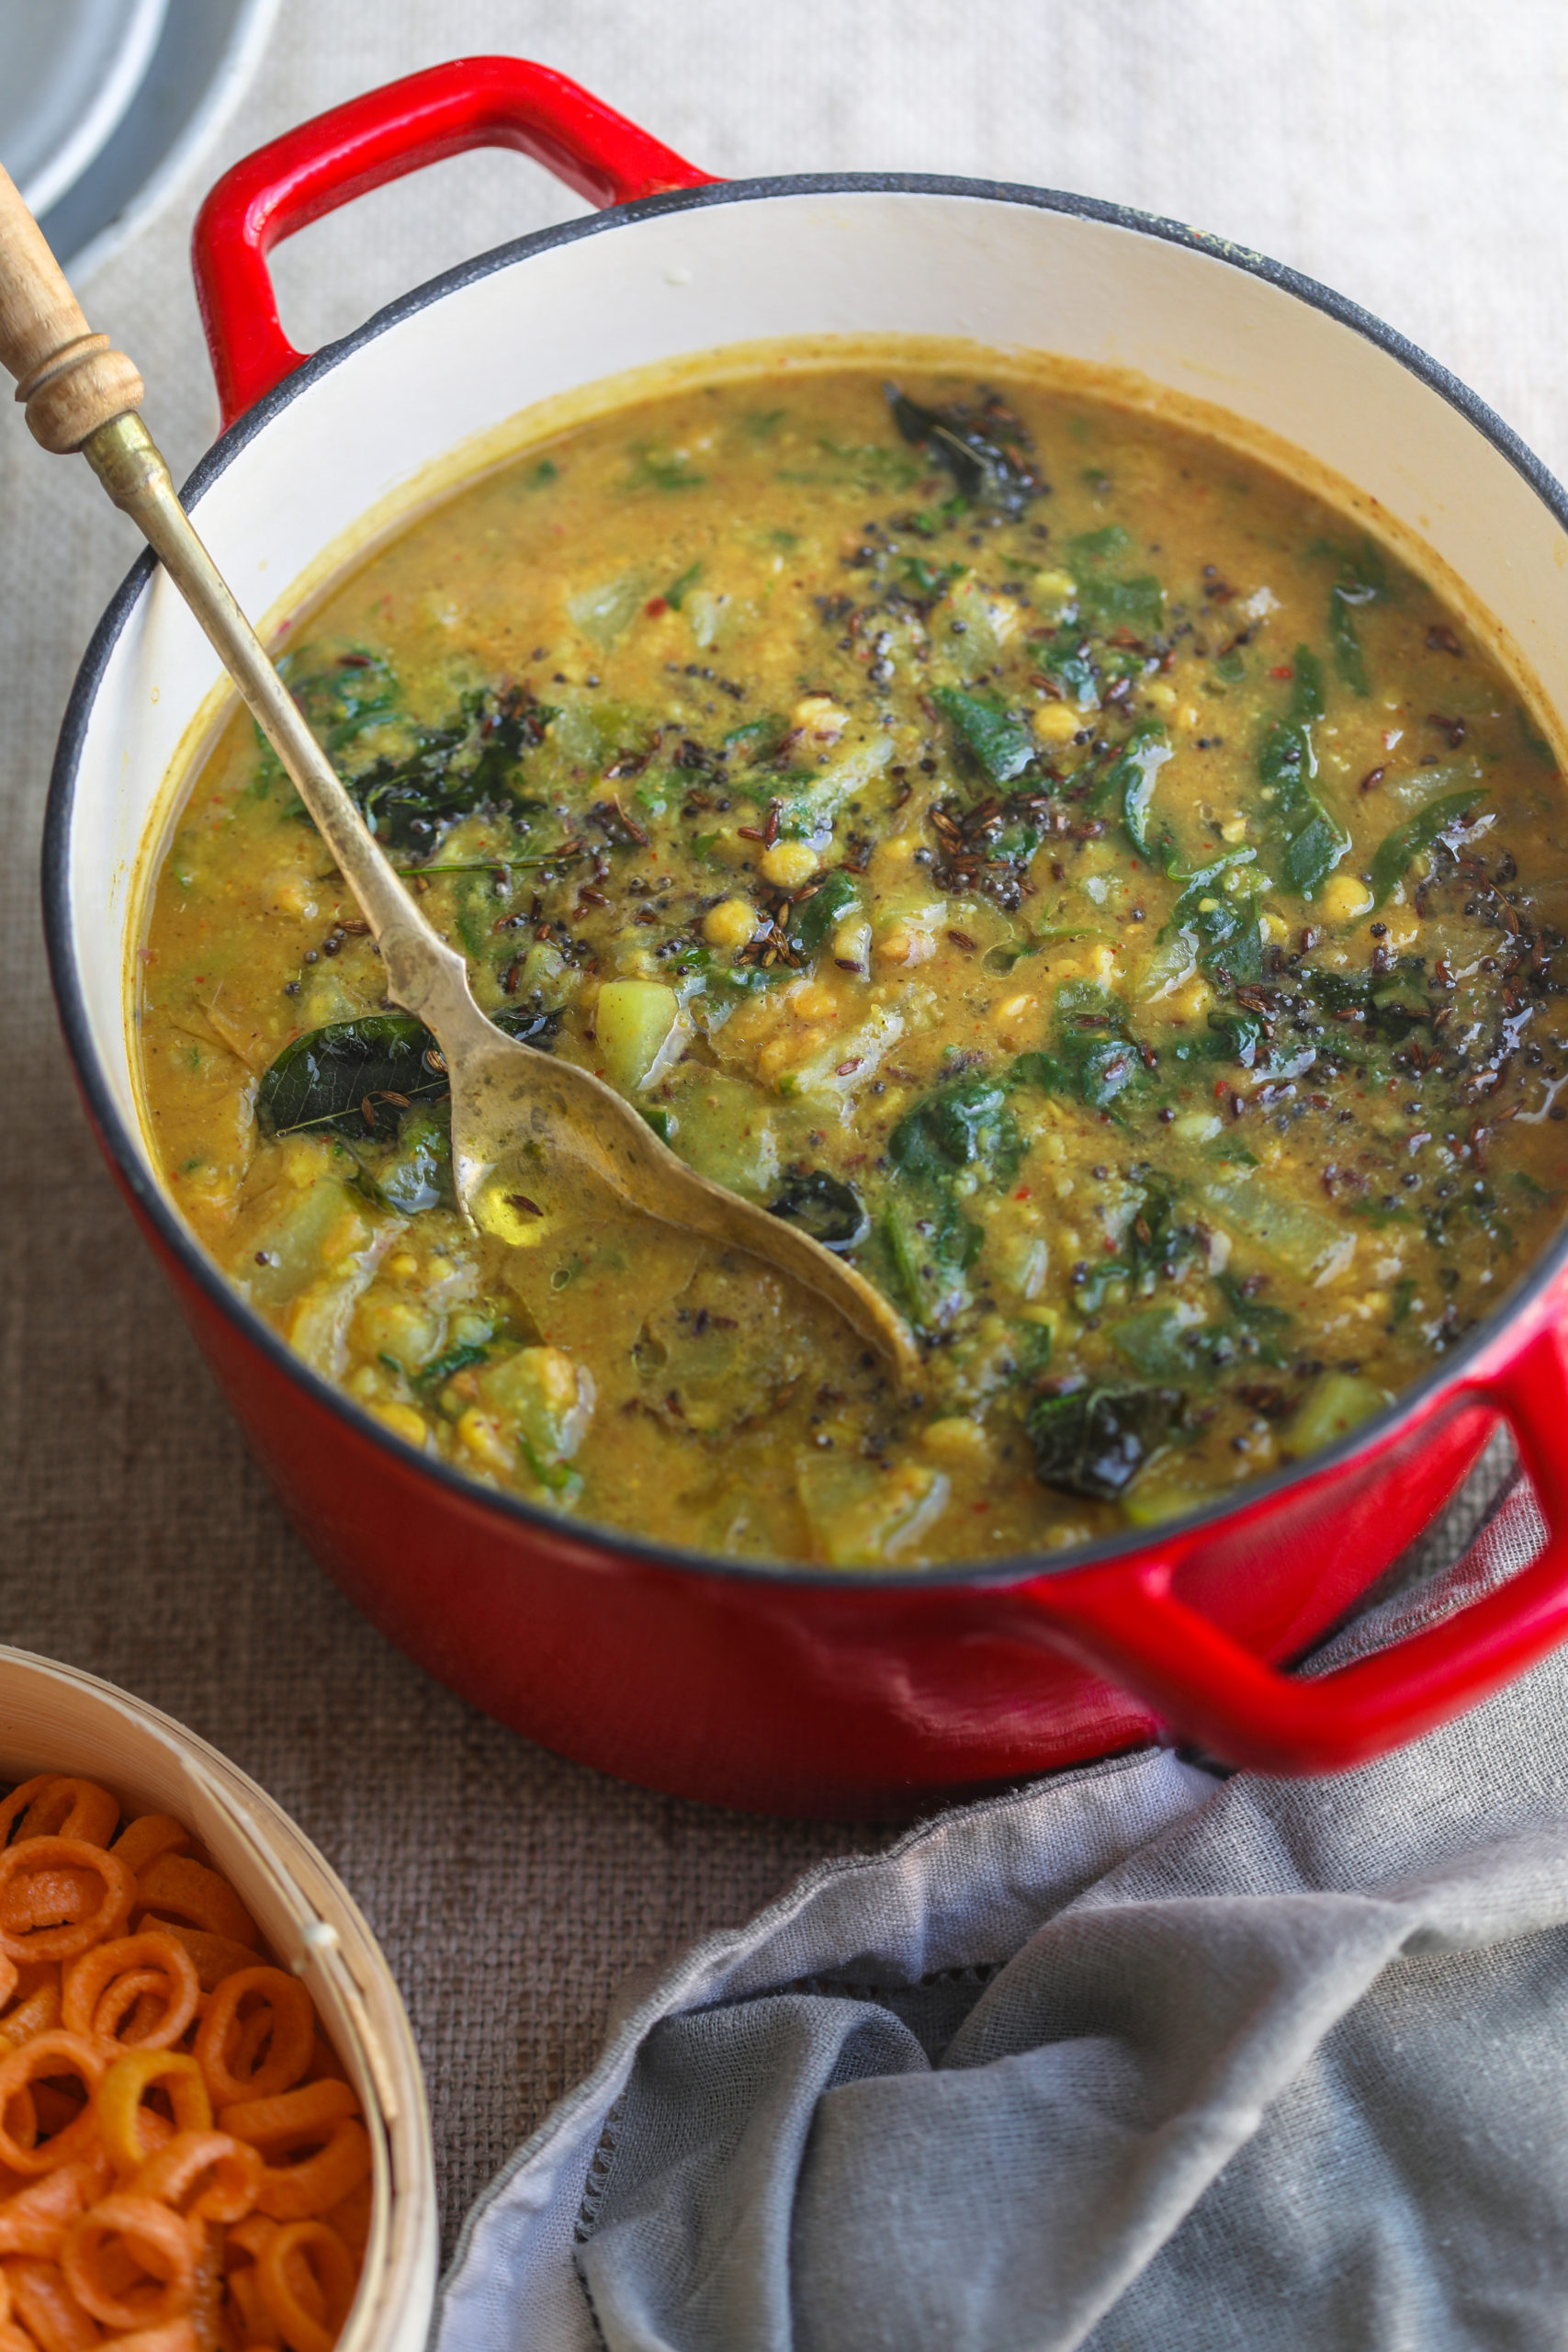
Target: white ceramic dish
x=54 y=1719
x=190 y=80
x=69 y=70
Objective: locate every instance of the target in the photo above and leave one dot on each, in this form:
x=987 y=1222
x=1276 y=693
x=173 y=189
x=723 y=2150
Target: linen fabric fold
x=1137 y=2057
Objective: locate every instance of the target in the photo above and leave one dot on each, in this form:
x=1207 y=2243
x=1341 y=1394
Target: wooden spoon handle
x=71 y=378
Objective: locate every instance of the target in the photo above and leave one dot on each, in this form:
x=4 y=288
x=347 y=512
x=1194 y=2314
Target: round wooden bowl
x=54 y=1719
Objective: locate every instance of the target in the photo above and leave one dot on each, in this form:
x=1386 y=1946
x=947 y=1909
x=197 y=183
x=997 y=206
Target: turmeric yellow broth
x=1052 y=856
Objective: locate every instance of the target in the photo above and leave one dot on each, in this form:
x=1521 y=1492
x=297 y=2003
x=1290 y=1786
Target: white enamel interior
x=54 y=1719
x=802 y=263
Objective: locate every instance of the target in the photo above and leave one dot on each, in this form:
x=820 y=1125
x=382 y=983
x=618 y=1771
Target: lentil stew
x=1040 y=848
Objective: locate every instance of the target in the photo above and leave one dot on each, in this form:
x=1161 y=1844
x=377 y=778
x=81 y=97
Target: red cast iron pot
x=778 y=1688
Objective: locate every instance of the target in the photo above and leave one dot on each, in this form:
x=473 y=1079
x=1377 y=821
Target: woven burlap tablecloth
x=1411 y=155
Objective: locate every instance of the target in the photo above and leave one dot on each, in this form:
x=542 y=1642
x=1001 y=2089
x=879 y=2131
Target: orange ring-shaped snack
x=59 y=1855
x=292 y=2119
x=46 y=2309
x=258 y=2330
x=36 y=2219
x=177 y=2171
x=126 y=2084
x=303 y=2191
x=158 y=2241
x=37 y=2014
x=21 y=1796
x=72 y=1808
x=190 y=1891
x=175 y=2336
x=141 y=1841
x=215 y=1956
x=100 y=1986
x=351 y=2219
x=307 y=2277
x=55 y=2052
x=43 y=1896
x=293 y=2035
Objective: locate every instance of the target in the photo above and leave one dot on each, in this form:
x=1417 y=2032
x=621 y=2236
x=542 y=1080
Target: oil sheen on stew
x=1051 y=856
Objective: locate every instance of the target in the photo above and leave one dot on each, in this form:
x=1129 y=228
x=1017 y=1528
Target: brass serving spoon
x=520 y=1118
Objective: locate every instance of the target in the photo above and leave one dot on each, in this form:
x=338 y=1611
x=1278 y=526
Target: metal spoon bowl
x=509 y=1100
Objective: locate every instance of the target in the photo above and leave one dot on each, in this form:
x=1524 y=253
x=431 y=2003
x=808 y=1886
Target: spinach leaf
x=1152 y=1245
x=1066 y=657
x=999 y=739
x=666 y=469
x=417 y=1172
x=1092 y=1054
x=676 y=594
x=451 y=771
x=822 y=913
x=1399 y=850
x=758 y=738
x=1162 y=1344
x=1363 y=580
x=1226 y=921
x=1132 y=777
x=1261 y=1329
x=984 y=450
x=827 y=1208
x=1311 y=842
x=1093 y=547
x=930 y=1256
x=1094 y=1441
x=1306 y=692
x=359 y=1077
x=1535 y=745
x=440 y=1369
x=1348 y=659
x=965 y=1125
x=1135 y=605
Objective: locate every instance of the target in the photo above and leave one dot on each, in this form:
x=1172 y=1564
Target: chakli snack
x=184 y=2167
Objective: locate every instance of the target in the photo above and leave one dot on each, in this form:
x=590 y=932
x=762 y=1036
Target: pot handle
x=1130 y=1626
x=470 y=102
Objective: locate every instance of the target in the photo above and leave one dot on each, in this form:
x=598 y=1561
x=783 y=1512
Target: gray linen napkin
x=1134 y=2058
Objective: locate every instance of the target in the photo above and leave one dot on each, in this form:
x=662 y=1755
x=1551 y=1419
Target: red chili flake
x=1022 y=1193
x=1281 y=670
x=1221 y=1090
x=655 y=605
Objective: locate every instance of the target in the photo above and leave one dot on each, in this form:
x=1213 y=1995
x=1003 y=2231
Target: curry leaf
x=1094 y=1441
x=826 y=1207
x=984 y=450
x=359 y=1076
